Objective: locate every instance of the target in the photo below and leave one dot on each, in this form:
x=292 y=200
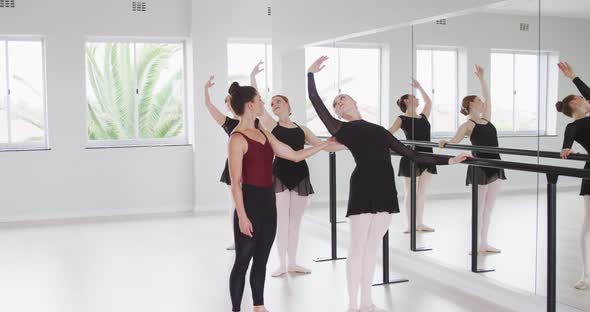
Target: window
x=242 y=57
x=22 y=94
x=516 y=91
x=437 y=71
x=136 y=93
x=355 y=71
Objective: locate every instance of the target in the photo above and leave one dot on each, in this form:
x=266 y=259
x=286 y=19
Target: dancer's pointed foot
x=299 y=269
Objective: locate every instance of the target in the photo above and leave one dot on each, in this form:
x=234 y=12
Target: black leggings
x=260 y=205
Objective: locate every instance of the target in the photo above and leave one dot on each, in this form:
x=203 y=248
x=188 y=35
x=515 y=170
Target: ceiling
x=557 y=8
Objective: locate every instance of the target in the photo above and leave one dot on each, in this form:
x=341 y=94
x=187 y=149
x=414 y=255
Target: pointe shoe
x=299 y=269
x=231 y=247
x=424 y=228
x=583 y=283
x=373 y=308
x=279 y=272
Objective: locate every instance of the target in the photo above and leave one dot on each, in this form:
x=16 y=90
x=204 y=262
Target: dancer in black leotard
x=373 y=196
x=577 y=107
x=415 y=127
x=481 y=132
x=227 y=124
x=251 y=153
x=291 y=180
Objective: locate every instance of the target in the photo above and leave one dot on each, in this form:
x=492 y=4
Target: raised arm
x=568 y=71
x=218 y=116
x=485 y=90
x=267 y=121
x=236 y=150
x=313 y=140
x=332 y=124
x=397 y=124
x=255 y=71
x=284 y=151
x=424 y=159
x=427 y=100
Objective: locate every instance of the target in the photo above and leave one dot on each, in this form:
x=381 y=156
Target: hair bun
x=559 y=106
x=233 y=88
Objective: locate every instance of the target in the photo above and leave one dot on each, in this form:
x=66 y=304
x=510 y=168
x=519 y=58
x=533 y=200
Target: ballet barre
x=499 y=150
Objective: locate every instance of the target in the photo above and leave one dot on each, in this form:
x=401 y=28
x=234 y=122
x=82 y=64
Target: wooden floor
x=522 y=263
x=178 y=265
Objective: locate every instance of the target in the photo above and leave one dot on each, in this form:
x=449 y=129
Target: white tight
x=422 y=183
x=290 y=207
x=486 y=199
x=585 y=238
x=366 y=232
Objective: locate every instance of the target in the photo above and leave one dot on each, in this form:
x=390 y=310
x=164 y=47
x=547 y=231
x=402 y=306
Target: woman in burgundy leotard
x=251 y=153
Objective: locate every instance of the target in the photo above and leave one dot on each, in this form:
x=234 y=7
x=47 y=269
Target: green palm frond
x=111 y=112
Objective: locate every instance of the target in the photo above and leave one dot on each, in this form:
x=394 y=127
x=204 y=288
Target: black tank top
x=290 y=173
x=418 y=130
x=484 y=135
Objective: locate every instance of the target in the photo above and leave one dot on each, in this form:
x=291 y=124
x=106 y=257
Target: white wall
x=213 y=23
x=69 y=180
x=477 y=34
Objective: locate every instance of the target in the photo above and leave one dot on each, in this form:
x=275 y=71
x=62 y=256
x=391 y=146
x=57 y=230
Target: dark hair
x=402 y=104
x=240 y=95
x=465 y=104
x=564 y=105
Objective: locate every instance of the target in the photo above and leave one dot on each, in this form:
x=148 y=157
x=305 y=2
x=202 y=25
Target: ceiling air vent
x=441 y=21
x=138 y=6
x=7 y=3
x=524 y=27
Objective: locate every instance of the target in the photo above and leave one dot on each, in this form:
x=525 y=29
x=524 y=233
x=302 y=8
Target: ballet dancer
x=372 y=196
x=577 y=107
x=482 y=132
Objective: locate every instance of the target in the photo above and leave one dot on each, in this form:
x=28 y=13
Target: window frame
x=370 y=46
x=267 y=45
x=26 y=146
x=432 y=48
x=543 y=97
x=138 y=142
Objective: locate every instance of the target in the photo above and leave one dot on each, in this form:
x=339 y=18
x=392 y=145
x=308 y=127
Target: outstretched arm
x=459 y=136
x=213 y=111
x=284 y=151
x=396 y=125
x=423 y=159
x=332 y=124
x=313 y=140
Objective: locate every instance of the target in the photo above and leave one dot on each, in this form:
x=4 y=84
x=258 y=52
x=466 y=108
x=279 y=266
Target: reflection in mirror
x=481 y=72
x=567 y=117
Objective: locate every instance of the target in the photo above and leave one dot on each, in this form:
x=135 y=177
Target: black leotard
x=579 y=131
x=372 y=183
x=485 y=135
x=287 y=174
x=415 y=129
